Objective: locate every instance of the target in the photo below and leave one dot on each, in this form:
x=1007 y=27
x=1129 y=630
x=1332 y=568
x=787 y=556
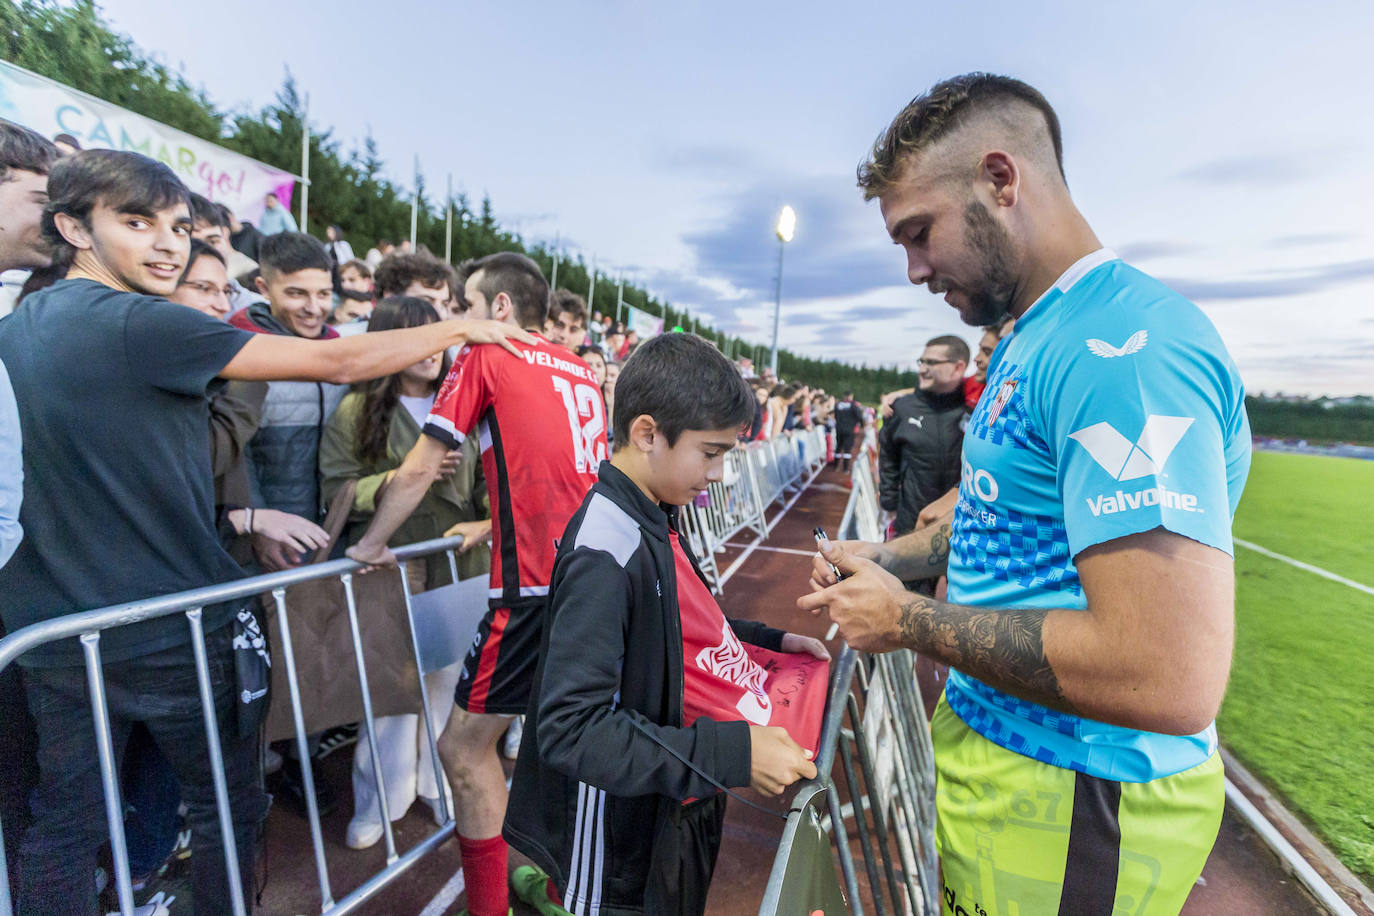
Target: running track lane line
x=447 y=894
x=1325 y=574
x=792 y=550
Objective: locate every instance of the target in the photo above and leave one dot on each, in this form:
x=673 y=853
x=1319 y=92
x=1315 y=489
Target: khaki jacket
x=460 y=498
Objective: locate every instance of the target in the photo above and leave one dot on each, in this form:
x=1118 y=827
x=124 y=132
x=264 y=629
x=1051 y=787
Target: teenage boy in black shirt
x=111 y=382
x=637 y=658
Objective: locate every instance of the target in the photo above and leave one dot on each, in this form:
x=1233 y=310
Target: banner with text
x=642 y=323
x=51 y=108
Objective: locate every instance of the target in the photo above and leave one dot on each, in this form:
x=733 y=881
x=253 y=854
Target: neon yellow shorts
x=1018 y=837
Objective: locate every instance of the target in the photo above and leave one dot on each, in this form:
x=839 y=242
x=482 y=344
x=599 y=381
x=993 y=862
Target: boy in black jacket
x=638 y=659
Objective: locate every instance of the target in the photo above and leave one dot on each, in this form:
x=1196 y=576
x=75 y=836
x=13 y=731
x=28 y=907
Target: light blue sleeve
x=11 y=470
x=1141 y=437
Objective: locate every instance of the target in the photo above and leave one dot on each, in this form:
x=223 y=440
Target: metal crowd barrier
x=89 y=625
x=861 y=520
x=875 y=721
x=882 y=836
x=755 y=477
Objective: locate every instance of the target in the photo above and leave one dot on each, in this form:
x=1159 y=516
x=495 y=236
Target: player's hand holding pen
x=848 y=582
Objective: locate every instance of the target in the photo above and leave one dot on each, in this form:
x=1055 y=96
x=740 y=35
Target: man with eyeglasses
x=918 y=448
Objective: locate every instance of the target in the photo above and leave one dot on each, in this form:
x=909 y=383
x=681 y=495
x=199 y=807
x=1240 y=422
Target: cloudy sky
x=1224 y=147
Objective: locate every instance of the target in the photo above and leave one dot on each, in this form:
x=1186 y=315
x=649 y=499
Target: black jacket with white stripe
x=591 y=788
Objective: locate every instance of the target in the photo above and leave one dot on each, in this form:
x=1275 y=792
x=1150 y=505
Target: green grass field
x=1297 y=712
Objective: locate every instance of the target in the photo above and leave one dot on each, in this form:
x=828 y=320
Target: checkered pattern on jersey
x=1001 y=731
x=1012 y=424
x=1029 y=550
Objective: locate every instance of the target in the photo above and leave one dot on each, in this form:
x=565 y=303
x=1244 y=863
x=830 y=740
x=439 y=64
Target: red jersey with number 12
x=542 y=428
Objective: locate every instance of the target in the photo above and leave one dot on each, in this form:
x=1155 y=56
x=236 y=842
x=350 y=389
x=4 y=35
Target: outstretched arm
x=1151 y=651
x=273 y=357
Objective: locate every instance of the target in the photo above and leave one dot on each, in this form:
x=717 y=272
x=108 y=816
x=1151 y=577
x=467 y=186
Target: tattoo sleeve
x=922 y=554
x=1001 y=647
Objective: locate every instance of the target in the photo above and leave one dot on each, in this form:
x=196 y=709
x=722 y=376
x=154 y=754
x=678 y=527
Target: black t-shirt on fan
x=118 y=500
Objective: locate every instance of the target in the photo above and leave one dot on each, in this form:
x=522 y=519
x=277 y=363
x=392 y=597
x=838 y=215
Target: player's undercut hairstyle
x=939 y=112
x=519 y=278
x=398 y=271
x=567 y=302
x=288 y=252
x=206 y=212
x=955 y=347
x=123 y=181
x=24 y=150
x=199 y=250
x=684 y=383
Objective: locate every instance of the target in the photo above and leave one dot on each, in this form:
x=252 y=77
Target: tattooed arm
x=1151 y=651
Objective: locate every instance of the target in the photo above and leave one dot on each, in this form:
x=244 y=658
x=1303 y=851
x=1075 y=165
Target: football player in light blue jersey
x=1089 y=620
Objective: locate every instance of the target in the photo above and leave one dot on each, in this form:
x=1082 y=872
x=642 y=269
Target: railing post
x=216 y=753
x=368 y=718
x=312 y=810
x=109 y=776
x=440 y=781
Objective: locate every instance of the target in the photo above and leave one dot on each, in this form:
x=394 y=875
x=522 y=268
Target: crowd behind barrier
x=875 y=724
x=88 y=626
x=757 y=476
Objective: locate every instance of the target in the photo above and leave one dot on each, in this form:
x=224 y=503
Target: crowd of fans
x=324 y=379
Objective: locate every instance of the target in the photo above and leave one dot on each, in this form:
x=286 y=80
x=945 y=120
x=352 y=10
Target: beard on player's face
x=988 y=300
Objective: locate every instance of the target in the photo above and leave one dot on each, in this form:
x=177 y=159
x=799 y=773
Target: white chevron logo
x=1126 y=460
x=1134 y=344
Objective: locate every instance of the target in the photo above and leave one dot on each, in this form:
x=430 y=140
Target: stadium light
x=786 y=229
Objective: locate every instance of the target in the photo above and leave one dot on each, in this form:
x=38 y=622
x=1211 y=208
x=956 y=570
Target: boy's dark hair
x=397 y=271
x=199 y=250
x=519 y=278
x=567 y=302
x=207 y=212
x=956 y=347
x=24 y=150
x=288 y=252
x=684 y=383
x=363 y=268
x=123 y=181
x=69 y=140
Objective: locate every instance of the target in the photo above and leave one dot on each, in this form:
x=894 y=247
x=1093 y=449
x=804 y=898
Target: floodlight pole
x=591 y=288
x=777 y=310
x=415 y=205
x=448 y=221
x=787 y=225
x=305 y=161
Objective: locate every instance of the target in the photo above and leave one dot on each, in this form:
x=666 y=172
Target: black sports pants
x=684 y=858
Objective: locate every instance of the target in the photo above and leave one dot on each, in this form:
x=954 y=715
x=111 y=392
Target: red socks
x=484 y=872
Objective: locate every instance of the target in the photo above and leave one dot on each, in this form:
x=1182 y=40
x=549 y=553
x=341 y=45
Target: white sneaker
x=362 y=834
x=511 y=747
x=158 y=905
